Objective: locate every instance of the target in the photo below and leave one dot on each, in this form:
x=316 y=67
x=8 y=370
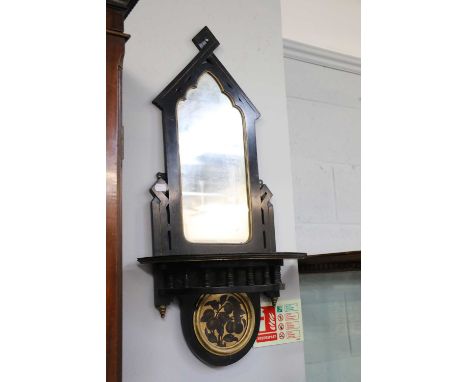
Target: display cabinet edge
x=331 y=262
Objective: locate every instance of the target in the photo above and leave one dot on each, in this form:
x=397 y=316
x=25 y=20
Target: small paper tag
x=161 y=187
x=281 y=324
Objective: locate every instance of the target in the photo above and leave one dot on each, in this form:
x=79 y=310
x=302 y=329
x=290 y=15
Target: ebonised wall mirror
x=212 y=220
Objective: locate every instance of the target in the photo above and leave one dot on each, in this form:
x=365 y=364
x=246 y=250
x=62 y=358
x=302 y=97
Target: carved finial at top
x=205 y=38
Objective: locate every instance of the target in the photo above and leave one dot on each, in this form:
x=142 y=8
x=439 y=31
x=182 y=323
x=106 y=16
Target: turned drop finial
x=162 y=310
x=274 y=300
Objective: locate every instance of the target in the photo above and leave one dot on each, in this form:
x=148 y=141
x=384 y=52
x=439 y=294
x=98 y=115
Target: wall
x=160 y=46
x=325 y=133
x=331 y=304
x=323 y=92
x=329 y=24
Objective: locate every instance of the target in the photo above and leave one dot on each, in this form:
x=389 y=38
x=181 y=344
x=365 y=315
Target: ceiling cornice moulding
x=319 y=56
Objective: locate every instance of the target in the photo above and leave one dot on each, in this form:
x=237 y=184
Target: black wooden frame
x=175 y=259
x=185 y=269
x=168 y=234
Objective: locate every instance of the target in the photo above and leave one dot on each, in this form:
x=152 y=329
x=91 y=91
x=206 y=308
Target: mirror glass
x=215 y=206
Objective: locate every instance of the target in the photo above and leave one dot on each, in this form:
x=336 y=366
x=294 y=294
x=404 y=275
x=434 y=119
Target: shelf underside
x=184 y=258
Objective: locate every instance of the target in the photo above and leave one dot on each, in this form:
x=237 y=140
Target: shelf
x=184 y=258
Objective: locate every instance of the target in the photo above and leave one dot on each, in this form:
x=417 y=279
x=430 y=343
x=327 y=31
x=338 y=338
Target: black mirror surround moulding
x=218 y=285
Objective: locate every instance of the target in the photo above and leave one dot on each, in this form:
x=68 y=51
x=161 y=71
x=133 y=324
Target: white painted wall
x=329 y=24
x=325 y=138
x=160 y=46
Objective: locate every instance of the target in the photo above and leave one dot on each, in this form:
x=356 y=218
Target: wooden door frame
x=116 y=11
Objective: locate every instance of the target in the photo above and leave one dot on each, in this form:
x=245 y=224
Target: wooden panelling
x=115 y=41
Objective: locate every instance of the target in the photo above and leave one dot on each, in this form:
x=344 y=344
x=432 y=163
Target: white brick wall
x=325 y=134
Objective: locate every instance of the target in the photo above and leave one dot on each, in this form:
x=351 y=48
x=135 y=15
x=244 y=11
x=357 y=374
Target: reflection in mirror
x=215 y=206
